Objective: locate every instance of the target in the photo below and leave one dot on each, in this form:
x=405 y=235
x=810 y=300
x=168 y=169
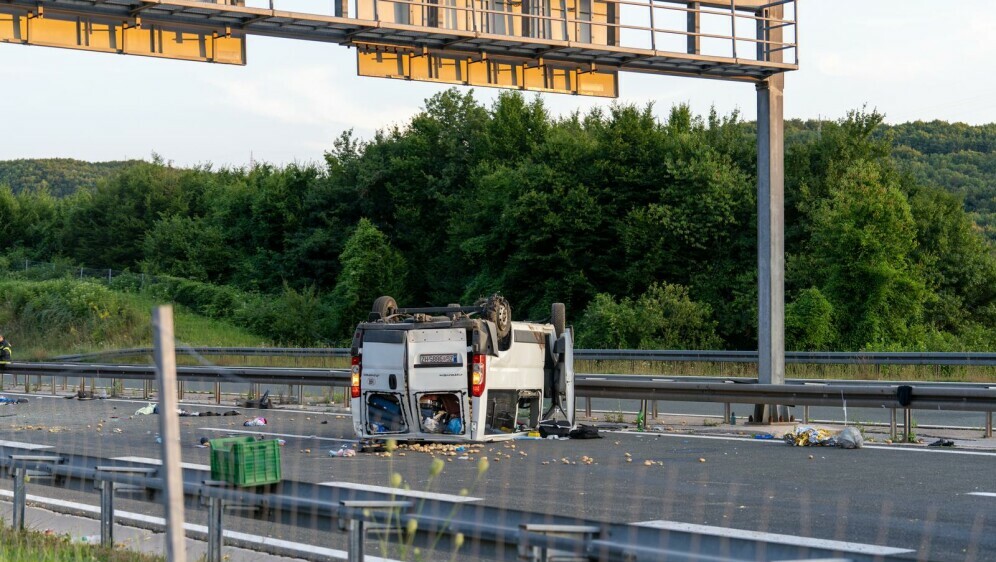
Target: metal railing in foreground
x=498 y=532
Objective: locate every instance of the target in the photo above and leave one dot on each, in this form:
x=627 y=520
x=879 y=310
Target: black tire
x=500 y=312
x=558 y=317
x=385 y=306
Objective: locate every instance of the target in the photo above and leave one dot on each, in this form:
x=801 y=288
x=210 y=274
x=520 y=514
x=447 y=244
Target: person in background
x=4 y=351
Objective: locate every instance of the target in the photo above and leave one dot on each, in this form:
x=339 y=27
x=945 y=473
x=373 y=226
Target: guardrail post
x=107 y=489
x=989 y=423
x=892 y=425
x=19 y=497
x=907 y=423
x=215 y=530
x=587 y=407
x=300 y=395
x=727 y=408
x=106 y=513
x=217 y=393
x=21 y=474
x=357 y=526
x=537 y=553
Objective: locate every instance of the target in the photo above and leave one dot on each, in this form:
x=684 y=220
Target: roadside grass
x=45 y=319
x=37 y=546
x=923 y=373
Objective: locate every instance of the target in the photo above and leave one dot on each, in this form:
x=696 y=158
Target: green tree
x=863 y=238
x=662 y=318
x=809 y=322
x=370 y=268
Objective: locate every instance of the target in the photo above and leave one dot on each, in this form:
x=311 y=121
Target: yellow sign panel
x=107 y=35
x=459 y=68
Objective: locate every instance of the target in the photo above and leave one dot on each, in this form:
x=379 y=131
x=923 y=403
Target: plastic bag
x=850 y=438
x=430 y=425
x=455 y=425
x=255 y=422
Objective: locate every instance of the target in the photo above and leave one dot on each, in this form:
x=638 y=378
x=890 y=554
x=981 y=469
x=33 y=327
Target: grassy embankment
x=44 y=319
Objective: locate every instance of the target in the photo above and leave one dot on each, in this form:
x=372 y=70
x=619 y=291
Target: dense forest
x=645 y=228
x=57 y=176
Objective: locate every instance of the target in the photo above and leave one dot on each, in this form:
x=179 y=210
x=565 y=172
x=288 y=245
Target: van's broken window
x=385 y=414
x=441 y=412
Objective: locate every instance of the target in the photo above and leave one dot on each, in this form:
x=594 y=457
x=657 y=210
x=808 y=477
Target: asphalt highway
x=931 y=503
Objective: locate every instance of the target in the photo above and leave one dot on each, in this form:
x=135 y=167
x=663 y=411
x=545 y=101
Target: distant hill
x=957 y=157
x=60 y=176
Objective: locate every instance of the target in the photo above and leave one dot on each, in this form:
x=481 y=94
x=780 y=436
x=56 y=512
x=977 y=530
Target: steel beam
x=770 y=226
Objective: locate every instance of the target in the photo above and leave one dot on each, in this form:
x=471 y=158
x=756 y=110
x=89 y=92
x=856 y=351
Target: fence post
x=19 y=497
x=169 y=428
x=106 y=513
x=892 y=424
x=215 y=530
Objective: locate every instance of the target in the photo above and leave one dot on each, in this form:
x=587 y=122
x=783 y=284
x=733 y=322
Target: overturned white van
x=459 y=373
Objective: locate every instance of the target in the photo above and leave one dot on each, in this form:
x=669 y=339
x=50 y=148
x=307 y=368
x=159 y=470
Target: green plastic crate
x=244 y=461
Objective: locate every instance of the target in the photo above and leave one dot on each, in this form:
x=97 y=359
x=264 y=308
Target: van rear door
x=384 y=393
x=437 y=380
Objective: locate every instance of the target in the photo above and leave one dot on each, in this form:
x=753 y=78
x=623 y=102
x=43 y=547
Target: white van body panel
x=415 y=380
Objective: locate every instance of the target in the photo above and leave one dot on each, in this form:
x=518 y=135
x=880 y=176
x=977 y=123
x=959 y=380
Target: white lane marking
x=794 y=540
x=779 y=441
x=401 y=492
x=693 y=436
x=931 y=450
x=138 y=517
x=253 y=432
x=19 y=445
x=158 y=462
x=984 y=494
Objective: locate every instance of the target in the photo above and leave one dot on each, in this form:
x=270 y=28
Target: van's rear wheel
x=558 y=317
x=385 y=306
x=499 y=312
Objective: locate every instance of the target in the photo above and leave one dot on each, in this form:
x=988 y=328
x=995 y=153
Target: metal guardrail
x=532 y=536
x=972 y=359
x=979 y=397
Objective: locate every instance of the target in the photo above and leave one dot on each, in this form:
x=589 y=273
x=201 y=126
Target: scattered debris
x=942 y=443
x=850 y=438
x=583 y=431
x=147 y=410
x=263 y=403
x=257 y=421
x=6 y=400
x=343 y=451
x=805 y=436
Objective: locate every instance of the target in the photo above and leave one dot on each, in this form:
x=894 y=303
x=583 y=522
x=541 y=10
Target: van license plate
x=439 y=359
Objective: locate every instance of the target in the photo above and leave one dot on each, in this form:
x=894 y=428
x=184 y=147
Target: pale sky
x=910 y=59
